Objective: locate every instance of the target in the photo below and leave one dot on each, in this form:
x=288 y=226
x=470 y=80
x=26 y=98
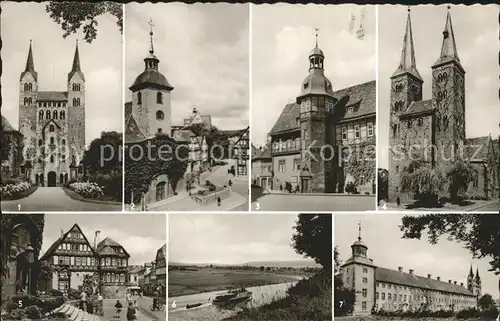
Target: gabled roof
x=55 y=245
x=418 y=107
x=406 y=279
x=105 y=247
x=133 y=133
x=52 y=96
x=162 y=250
x=134 y=269
x=361 y=97
x=263 y=154
x=198 y=118
x=477 y=148
x=48 y=123
x=6 y=126
x=236 y=133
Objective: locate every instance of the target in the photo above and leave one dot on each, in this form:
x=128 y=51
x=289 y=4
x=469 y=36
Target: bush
x=87 y=189
x=12 y=190
x=33 y=312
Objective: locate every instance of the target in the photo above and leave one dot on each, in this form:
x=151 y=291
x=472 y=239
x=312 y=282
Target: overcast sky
x=476 y=34
x=282 y=40
x=203 y=52
x=449 y=260
x=101 y=63
x=231 y=238
x=140 y=234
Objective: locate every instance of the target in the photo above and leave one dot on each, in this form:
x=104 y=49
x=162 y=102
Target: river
x=261 y=295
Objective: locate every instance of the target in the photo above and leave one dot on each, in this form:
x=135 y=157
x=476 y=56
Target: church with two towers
x=433 y=130
x=52 y=124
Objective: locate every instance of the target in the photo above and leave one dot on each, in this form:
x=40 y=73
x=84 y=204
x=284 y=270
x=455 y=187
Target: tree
x=478 y=232
x=344 y=297
x=423 y=181
x=486 y=302
x=167 y=157
x=104 y=153
x=72 y=15
x=44 y=273
x=262 y=268
x=313 y=238
x=459 y=177
x=213 y=137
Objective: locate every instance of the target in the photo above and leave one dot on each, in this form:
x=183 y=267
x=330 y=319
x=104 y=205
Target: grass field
x=207 y=280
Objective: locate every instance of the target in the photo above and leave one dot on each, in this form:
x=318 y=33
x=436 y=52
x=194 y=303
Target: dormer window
x=350 y=110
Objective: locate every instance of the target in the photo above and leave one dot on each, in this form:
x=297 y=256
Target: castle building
x=433 y=130
x=53 y=125
x=72 y=258
x=341 y=120
x=377 y=288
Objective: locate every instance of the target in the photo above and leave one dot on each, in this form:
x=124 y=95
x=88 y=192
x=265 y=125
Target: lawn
x=207 y=280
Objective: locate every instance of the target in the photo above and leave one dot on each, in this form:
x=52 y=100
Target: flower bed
x=33 y=307
x=86 y=189
x=14 y=191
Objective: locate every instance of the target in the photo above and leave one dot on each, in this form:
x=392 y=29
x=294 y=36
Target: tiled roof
x=107 y=250
x=6 y=126
x=477 y=148
x=106 y=242
x=418 y=107
x=134 y=269
x=151 y=78
x=406 y=279
x=265 y=153
x=52 y=96
x=133 y=133
x=234 y=132
x=362 y=97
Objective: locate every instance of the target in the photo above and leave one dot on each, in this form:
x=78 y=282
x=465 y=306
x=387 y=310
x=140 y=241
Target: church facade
x=320 y=122
x=53 y=125
x=433 y=130
x=377 y=288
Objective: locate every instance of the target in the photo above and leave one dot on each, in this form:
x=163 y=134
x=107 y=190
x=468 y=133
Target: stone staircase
x=75 y=314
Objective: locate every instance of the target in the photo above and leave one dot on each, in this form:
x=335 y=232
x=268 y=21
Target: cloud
x=281 y=43
x=203 y=52
x=101 y=63
x=475 y=29
x=447 y=259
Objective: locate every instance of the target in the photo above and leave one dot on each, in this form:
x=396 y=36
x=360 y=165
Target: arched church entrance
x=52 y=179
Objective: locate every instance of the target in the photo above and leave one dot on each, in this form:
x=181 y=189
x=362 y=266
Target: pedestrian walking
x=398 y=201
x=83 y=300
x=218 y=201
x=131 y=312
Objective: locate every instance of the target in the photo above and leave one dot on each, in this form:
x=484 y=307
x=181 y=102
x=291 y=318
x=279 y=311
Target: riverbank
x=202 y=280
x=309 y=299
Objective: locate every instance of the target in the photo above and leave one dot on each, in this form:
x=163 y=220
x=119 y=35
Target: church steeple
x=75 y=68
x=358 y=247
x=477 y=274
x=30 y=65
x=151 y=62
x=316 y=57
x=449 y=46
x=470 y=272
x=407 y=63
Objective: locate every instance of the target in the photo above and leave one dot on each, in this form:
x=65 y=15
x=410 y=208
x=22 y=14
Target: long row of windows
x=74 y=247
x=315 y=104
x=113 y=278
x=55 y=114
x=28 y=101
x=75 y=260
x=29 y=87
x=112 y=261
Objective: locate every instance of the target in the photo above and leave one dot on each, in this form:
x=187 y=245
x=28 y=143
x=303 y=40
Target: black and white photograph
x=438 y=102
x=61 y=104
x=313 y=107
x=186 y=110
x=419 y=267
x=254 y=267
x=84 y=266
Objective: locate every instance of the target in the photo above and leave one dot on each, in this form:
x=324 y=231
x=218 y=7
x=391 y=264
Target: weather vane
x=316 y=30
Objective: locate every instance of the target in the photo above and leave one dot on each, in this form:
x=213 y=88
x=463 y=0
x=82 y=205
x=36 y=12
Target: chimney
x=400 y=268
x=429 y=276
x=411 y=271
x=449 y=281
x=462 y=284
x=439 y=278
x=455 y=282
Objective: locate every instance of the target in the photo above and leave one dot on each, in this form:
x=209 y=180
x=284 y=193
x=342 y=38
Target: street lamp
x=29 y=253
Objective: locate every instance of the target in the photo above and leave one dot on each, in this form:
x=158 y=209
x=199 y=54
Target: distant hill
x=276 y=264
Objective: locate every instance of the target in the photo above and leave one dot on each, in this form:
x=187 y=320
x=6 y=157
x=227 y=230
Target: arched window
x=420 y=122
x=30 y=101
x=51 y=128
x=54 y=114
x=63 y=142
x=66 y=180
x=52 y=140
x=159 y=98
x=139 y=98
x=40 y=114
x=61 y=179
x=25 y=100
x=445 y=76
x=160 y=191
x=30 y=87
x=62 y=115
x=47 y=114
x=445 y=94
x=40 y=142
x=159 y=115
x=74 y=101
x=51 y=158
x=26 y=87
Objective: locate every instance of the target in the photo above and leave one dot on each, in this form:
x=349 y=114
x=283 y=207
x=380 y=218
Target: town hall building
x=52 y=124
x=340 y=120
x=377 y=288
x=436 y=125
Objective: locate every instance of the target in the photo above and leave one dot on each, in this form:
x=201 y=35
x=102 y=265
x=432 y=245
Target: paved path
x=478 y=206
x=54 y=199
x=337 y=203
x=144 y=313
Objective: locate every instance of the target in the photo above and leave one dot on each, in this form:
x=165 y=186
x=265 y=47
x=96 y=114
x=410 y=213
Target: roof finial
x=409 y=8
x=151 y=25
x=448 y=7
x=359 y=228
x=316 y=29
